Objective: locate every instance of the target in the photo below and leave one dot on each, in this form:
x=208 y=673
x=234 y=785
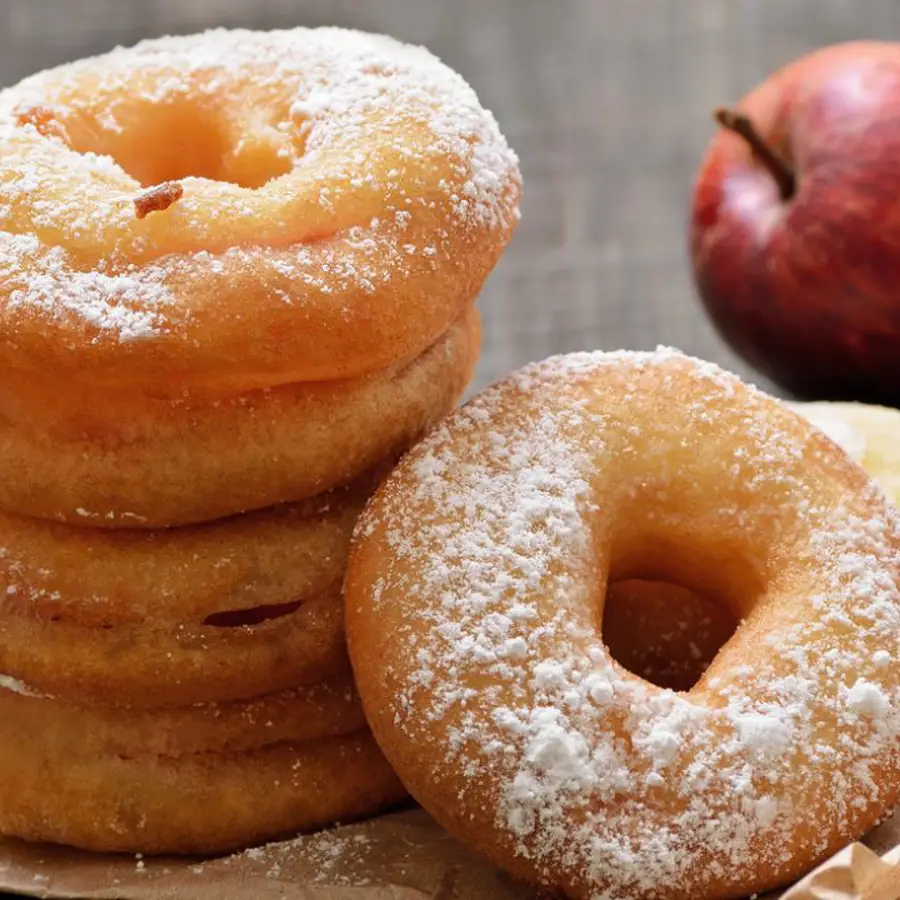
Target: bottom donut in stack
x=99 y=779
x=183 y=691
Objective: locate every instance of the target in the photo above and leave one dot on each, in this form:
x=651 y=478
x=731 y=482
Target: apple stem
x=780 y=169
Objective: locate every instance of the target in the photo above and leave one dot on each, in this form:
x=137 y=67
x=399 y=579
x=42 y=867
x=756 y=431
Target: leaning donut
x=475 y=592
x=334 y=202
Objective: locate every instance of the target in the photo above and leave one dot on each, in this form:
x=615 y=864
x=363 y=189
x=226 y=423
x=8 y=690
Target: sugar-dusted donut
x=475 y=592
x=326 y=709
x=60 y=792
x=112 y=459
x=237 y=210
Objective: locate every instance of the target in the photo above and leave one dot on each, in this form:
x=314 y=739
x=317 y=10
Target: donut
x=335 y=200
x=143 y=666
x=475 y=592
x=205 y=803
x=326 y=709
x=226 y=610
x=870 y=434
x=102 y=457
x=233 y=569
x=664 y=633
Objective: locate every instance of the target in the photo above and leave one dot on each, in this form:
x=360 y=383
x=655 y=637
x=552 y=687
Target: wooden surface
x=606 y=101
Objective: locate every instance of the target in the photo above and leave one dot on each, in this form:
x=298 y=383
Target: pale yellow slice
x=870 y=434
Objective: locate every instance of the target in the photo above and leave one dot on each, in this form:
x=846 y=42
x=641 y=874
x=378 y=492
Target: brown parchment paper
x=403 y=856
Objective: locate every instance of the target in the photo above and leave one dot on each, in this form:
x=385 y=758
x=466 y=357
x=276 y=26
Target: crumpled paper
x=403 y=856
x=867 y=870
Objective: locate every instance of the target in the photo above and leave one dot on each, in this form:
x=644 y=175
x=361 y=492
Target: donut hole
x=247 y=618
x=664 y=632
x=677 y=584
x=183 y=137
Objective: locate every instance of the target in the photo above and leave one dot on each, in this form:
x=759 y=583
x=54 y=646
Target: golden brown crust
x=112 y=459
x=199 y=804
x=221 y=611
x=474 y=598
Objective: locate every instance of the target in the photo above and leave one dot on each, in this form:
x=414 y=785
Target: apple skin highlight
x=806 y=288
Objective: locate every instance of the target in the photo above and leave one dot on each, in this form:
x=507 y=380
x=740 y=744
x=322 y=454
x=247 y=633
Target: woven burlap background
x=606 y=101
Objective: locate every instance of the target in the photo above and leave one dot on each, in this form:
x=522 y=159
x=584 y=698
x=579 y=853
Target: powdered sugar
x=590 y=776
x=128 y=303
x=15 y=686
x=869 y=699
x=335 y=857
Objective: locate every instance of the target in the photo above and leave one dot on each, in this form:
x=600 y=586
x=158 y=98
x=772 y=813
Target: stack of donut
x=237 y=277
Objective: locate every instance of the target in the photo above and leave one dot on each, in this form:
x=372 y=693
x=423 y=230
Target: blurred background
x=606 y=101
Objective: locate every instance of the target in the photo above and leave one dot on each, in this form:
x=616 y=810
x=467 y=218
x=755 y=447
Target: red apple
x=795 y=225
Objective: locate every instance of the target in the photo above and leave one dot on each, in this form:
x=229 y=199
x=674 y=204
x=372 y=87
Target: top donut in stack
x=237 y=280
